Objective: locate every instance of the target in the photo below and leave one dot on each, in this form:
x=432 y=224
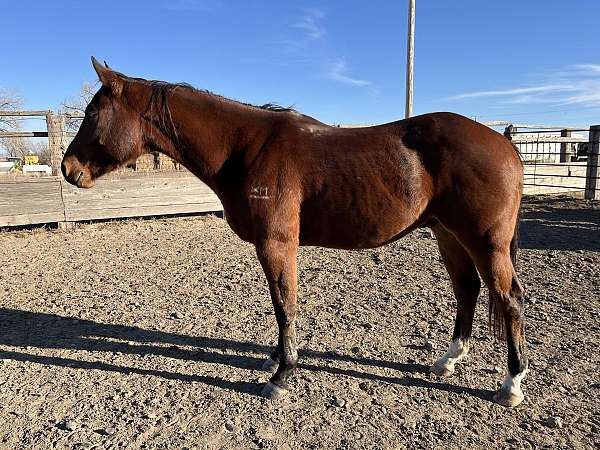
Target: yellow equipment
x=30 y=160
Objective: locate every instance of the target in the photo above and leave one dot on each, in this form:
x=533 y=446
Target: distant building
x=37 y=169
x=6 y=166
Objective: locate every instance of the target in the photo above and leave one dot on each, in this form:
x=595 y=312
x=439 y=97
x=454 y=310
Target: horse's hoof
x=270 y=365
x=273 y=392
x=442 y=370
x=508 y=398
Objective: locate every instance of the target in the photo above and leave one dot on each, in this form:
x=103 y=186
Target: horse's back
x=368 y=186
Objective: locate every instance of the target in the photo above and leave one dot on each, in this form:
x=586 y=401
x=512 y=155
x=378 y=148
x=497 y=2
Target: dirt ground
x=150 y=334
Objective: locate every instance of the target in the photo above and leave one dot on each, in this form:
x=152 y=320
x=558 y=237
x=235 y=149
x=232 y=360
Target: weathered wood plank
x=130 y=190
x=31 y=219
x=135 y=211
x=31 y=202
x=9 y=179
x=28 y=190
x=157 y=200
x=30 y=205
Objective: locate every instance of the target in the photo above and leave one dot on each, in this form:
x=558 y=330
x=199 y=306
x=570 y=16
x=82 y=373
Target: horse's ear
x=108 y=77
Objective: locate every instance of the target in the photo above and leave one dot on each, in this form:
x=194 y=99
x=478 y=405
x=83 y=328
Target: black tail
x=514 y=243
x=495 y=314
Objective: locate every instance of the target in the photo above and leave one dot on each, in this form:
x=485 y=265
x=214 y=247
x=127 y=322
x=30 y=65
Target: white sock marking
x=457 y=350
x=512 y=385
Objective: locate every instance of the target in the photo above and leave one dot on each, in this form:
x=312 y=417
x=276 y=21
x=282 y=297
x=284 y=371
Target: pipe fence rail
x=558 y=160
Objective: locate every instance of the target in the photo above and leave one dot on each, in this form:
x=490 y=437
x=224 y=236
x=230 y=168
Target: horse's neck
x=209 y=131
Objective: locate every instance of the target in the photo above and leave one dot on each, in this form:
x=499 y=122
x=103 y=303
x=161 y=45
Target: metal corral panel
x=26 y=201
x=554 y=179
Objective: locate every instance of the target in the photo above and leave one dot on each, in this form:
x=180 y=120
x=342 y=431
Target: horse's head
x=110 y=135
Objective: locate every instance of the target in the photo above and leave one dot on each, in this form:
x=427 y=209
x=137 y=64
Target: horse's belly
x=364 y=226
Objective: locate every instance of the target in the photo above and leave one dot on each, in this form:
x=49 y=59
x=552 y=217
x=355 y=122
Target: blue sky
x=340 y=61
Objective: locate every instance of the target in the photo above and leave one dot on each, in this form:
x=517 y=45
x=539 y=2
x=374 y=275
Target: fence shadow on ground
x=560 y=223
x=22 y=329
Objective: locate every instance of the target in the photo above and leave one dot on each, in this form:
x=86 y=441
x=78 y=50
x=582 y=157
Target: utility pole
x=410 y=57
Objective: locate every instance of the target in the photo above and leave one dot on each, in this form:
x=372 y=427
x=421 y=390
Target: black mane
x=160 y=112
x=162 y=88
x=275 y=107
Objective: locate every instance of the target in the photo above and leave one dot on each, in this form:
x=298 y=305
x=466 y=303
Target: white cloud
x=304 y=49
x=310 y=23
x=512 y=92
x=576 y=84
x=336 y=71
x=589 y=68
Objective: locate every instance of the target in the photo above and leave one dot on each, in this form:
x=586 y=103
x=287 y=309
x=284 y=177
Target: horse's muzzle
x=76 y=173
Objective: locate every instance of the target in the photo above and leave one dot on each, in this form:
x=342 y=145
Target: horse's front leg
x=278 y=260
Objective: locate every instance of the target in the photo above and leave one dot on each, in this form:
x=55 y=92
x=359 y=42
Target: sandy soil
x=149 y=334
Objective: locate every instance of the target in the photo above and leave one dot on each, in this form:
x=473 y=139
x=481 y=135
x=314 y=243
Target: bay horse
x=286 y=179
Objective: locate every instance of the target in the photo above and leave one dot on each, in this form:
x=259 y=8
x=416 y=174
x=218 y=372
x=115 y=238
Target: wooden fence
x=27 y=201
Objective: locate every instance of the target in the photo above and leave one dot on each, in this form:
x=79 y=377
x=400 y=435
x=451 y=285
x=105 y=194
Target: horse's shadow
x=23 y=329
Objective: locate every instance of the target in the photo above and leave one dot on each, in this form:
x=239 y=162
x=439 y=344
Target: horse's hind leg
x=466 y=286
x=506 y=316
x=511 y=305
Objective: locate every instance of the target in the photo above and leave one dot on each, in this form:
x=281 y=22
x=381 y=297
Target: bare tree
x=14 y=146
x=40 y=148
x=9 y=101
x=21 y=147
x=76 y=105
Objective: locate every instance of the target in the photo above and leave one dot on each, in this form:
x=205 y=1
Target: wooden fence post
x=57 y=140
x=592 y=186
x=566 y=148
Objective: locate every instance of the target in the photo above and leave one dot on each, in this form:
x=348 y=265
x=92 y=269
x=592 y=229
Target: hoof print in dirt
x=271 y=391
